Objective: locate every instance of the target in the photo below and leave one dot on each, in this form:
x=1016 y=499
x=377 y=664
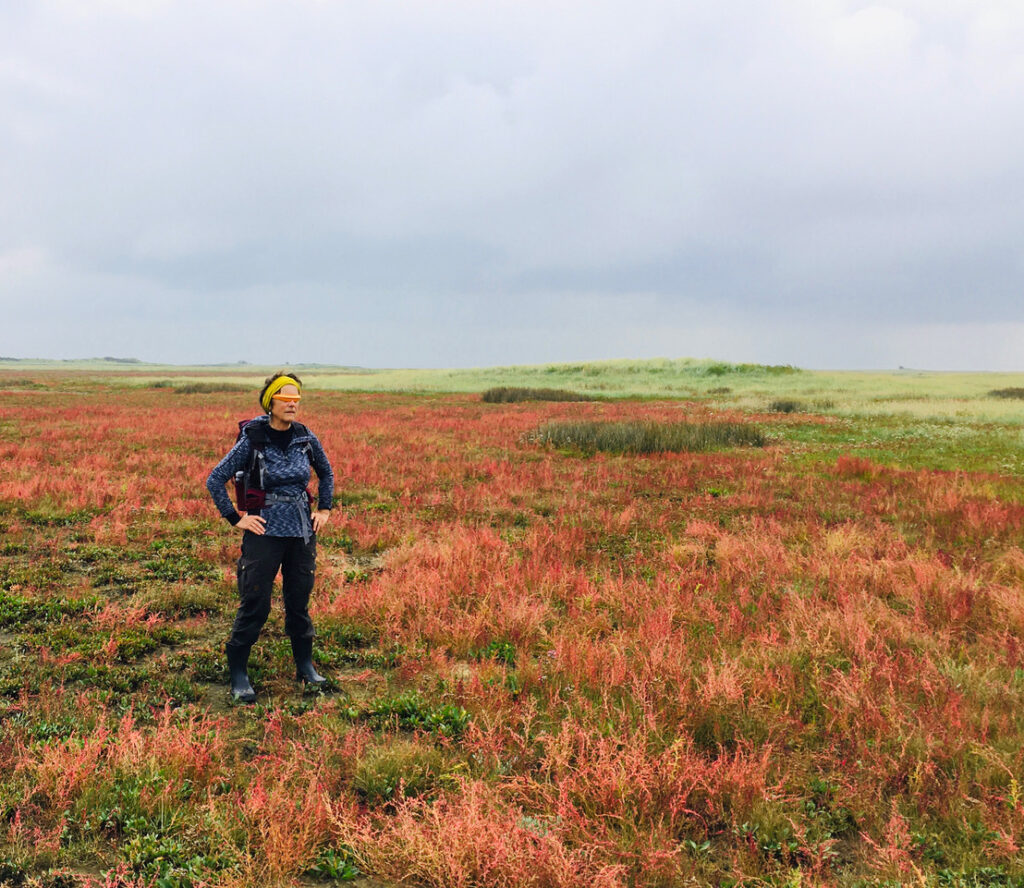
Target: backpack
x=249 y=491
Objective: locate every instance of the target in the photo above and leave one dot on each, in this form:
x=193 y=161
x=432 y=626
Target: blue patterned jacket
x=286 y=473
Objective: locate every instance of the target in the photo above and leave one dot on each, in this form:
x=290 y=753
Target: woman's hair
x=277 y=375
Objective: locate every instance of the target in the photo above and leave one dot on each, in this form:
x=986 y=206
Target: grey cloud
x=753 y=162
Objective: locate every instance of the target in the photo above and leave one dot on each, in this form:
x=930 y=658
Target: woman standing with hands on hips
x=277 y=452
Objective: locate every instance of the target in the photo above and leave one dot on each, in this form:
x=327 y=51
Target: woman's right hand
x=253 y=523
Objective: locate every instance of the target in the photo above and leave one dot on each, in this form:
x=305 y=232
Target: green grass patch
x=171 y=563
x=401 y=768
x=182 y=600
x=135 y=643
x=344 y=635
x=648 y=437
x=179 y=567
x=118 y=679
x=948 y=445
x=1012 y=392
x=202 y=665
x=49 y=516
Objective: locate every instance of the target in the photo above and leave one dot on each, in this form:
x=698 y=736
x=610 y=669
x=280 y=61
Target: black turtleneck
x=280 y=439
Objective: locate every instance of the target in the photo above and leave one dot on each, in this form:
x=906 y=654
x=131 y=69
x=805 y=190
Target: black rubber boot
x=302 y=651
x=238 y=660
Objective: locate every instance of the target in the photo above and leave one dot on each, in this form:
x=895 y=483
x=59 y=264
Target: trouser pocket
x=256 y=570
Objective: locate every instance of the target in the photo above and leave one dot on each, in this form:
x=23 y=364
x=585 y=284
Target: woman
x=281 y=535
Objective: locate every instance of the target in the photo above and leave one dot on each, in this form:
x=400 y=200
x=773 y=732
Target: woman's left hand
x=320 y=518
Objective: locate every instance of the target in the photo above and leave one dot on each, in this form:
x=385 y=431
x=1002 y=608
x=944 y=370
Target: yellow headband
x=275 y=387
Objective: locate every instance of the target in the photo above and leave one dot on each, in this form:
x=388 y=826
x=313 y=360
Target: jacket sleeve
x=223 y=472
x=324 y=474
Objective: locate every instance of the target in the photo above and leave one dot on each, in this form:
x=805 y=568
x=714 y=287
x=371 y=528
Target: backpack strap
x=256 y=432
x=302 y=431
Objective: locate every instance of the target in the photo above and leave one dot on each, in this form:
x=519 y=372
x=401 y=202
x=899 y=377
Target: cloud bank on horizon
x=450 y=183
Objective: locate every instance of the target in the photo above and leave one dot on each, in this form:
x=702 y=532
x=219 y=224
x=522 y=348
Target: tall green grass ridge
x=648 y=437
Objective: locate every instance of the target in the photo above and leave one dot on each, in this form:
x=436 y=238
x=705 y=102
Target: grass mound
x=648 y=437
x=719 y=368
x=1016 y=392
x=507 y=395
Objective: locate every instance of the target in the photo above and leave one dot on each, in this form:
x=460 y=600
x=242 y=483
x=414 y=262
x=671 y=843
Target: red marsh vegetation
x=549 y=667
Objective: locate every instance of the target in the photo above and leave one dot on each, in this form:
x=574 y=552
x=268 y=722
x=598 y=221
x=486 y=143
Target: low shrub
x=648 y=437
x=1016 y=392
x=506 y=395
x=206 y=388
x=787 y=405
x=11 y=382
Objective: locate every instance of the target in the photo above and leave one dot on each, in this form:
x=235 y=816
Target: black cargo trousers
x=262 y=557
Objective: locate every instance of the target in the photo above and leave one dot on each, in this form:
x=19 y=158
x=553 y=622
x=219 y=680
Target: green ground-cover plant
x=27 y=613
x=410 y=711
x=335 y=865
x=501 y=650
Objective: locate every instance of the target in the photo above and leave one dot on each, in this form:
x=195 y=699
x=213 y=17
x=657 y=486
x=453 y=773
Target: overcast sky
x=818 y=182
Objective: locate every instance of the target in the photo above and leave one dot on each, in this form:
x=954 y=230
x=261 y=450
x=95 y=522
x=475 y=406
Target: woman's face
x=285 y=409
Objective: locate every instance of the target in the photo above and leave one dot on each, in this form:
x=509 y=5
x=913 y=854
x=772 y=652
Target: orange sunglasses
x=291 y=399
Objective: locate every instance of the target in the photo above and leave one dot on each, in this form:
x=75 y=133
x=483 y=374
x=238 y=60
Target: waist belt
x=301 y=503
